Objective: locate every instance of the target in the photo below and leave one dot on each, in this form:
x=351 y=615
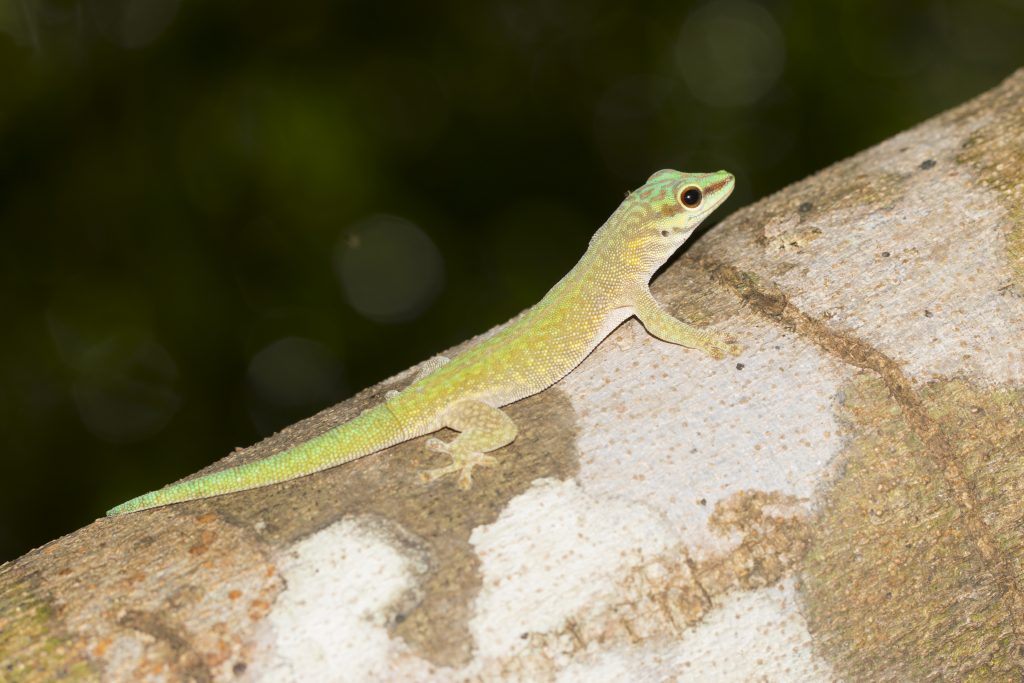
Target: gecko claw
x=718 y=347
x=436 y=445
x=463 y=464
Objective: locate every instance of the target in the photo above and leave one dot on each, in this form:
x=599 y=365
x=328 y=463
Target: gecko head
x=678 y=202
x=657 y=218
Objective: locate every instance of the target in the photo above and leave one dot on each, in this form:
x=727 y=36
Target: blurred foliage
x=221 y=217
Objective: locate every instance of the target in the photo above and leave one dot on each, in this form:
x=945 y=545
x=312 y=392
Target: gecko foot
x=718 y=346
x=463 y=463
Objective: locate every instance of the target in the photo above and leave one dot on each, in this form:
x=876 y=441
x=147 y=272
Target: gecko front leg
x=482 y=428
x=664 y=326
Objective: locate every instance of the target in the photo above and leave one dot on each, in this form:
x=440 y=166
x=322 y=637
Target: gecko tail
x=368 y=433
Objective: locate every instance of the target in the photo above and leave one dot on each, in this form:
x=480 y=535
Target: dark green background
x=187 y=191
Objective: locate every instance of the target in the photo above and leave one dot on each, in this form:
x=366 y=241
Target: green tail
x=368 y=433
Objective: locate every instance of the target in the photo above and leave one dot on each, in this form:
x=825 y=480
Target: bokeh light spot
x=730 y=52
x=389 y=269
x=133 y=23
x=290 y=378
x=124 y=389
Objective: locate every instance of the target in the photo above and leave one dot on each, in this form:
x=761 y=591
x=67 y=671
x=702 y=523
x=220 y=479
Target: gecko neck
x=613 y=270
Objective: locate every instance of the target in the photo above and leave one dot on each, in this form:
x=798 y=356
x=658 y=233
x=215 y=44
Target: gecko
x=609 y=284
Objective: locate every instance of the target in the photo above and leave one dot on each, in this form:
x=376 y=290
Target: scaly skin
x=608 y=285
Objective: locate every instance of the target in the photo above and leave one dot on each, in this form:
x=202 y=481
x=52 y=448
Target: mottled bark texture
x=842 y=501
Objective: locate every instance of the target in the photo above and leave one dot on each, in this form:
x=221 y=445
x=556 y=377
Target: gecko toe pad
x=462 y=464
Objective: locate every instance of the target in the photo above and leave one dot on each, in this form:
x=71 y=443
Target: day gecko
x=608 y=285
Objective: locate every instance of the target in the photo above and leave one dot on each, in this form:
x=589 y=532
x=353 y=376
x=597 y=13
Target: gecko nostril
x=664 y=233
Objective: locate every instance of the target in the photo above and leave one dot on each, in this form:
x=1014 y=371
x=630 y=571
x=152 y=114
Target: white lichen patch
x=553 y=551
x=647 y=437
x=930 y=289
x=344 y=584
x=756 y=635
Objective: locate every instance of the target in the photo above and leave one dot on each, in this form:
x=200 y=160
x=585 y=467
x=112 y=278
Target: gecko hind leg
x=481 y=428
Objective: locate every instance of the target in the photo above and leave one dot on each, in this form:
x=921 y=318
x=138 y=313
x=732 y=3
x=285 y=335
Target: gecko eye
x=691 y=197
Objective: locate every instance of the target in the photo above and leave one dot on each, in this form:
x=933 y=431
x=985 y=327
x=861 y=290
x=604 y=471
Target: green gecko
x=608 y=285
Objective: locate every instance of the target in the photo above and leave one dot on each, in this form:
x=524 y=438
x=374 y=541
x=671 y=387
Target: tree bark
x=842 y=501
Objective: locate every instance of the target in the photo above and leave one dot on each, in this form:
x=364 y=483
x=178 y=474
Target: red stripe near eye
x=715 y=187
